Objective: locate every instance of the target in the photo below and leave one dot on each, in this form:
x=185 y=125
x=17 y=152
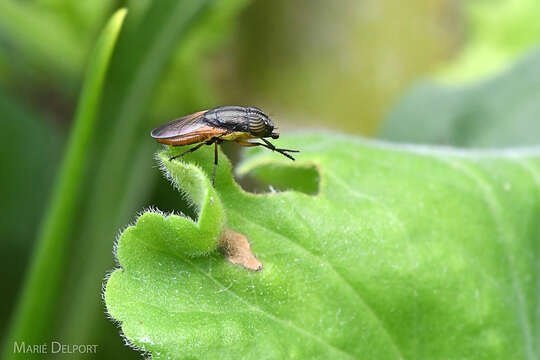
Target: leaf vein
x=340 y=277
x=494 y=207
x=270 y=316
x=530 y=168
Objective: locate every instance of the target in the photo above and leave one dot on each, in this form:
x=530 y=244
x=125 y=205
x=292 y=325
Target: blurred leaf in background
x=498 y=33
x=502 y=111
x=188 y=83
x=51 y=36
x=30 y=148
x=50 y=40
x=467 y=105
x=335 y=64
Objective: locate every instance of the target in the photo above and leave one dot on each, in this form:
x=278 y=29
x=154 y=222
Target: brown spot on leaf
x=236 y=248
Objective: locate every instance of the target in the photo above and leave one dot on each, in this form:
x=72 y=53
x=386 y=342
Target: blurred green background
x=443 y=72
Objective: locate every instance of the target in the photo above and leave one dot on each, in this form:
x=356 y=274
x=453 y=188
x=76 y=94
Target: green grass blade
x=39 y=297
x=143 y=52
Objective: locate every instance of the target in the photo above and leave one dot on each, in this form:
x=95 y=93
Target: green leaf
x=502 y=111
x=203 y=236
x=40 y=293
x=404 y=252
x=497 y=33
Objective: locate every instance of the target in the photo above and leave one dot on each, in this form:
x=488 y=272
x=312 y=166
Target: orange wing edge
x=200 y=135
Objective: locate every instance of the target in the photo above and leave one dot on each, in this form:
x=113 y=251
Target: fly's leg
x=270 y=146
x=214 y=141
x=217 y=140
x=185 y=152
x=281 y=151
x=215 y=162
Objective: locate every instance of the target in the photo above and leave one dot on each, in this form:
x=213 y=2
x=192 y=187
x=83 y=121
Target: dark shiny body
x=224 y=123
x=240 y=119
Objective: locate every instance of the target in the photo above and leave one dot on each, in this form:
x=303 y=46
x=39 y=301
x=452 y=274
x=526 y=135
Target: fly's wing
x=181 y=126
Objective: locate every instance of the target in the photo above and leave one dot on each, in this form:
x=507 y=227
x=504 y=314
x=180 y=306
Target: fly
x=224 y=123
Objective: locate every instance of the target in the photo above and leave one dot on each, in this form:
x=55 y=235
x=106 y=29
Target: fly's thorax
x=232 y=118
x=259 y=123
x=240 y=119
